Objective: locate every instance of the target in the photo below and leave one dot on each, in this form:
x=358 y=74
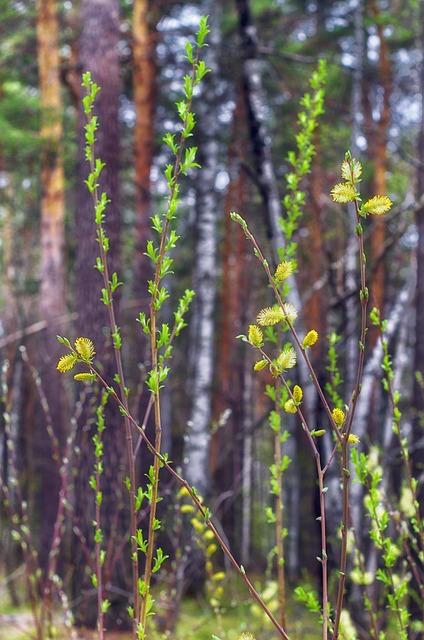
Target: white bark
x=268 y=187
x=247 y=469
x=264 y=166
x=196 y=459
x=351 y=267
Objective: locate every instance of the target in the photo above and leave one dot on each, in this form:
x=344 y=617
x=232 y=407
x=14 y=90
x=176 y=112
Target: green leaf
x=158 y=561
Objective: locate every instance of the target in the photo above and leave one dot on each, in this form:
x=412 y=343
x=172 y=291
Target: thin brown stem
x=350 y=416
x=344 y=532
x=279 y=532
x=99 y=571
x=323 y=558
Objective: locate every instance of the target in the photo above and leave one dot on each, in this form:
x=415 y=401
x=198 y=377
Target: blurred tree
x=144 y=83
x=99 y=54
x=204 y=271
x=52 y=299
x=377 y=114
x=418 y=398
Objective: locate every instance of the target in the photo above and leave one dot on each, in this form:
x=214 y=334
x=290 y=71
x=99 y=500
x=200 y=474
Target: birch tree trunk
x=196 y=458
x=268 y=187
x=52 y=302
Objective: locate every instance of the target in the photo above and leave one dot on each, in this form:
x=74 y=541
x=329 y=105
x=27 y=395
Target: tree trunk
x=52 y=298
x=203 y=322
x=227 y=450
x=202 y=327
x=351 y=306
x=144 y=82
x=52 y=302
x=99 y=54
x=379 y=151
x=418 y=398
x=268 y=187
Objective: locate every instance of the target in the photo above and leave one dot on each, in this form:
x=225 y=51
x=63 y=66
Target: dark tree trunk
x=227 y=445
x=418 y=400
x=418 y=391
x=99 y=54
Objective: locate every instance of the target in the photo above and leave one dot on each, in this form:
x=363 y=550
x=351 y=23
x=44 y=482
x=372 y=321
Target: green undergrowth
x=197 y=620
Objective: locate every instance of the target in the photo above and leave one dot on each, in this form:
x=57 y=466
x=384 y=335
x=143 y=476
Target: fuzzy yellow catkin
x=261 y=364
x=290 y=312
x=310 y=339
x=84 y=377
x=344 y=192
x=378 y=205
x=270 y=316
x=290 y=406
x=353 y=439
x=286 y=359
x=297 y=394
x=283 y=271
x=67 y=362
x=255 y=336
x=338 y=416
x=85 y=348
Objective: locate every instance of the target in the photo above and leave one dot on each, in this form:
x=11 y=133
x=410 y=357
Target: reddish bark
x=379 y=157
x=144 y=82
x=52 y=302
x=99 y=54
x=235 y=298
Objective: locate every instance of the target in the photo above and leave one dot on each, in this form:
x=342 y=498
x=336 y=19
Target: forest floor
x=196 y=620
x=19 y=626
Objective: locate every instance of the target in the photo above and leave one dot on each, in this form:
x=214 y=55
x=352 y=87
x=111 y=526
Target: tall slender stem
x=350 y=416
x=155 y=358
x=279 y=512
x=109 y=302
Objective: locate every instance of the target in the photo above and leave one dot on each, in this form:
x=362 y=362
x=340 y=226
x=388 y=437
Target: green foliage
x=294 y=200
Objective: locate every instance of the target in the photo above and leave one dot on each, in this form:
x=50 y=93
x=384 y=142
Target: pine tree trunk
x=379 y=150
x=144 y=82
x=99 y=54
x=52 y=302
x=351 y=303
x=228 y=464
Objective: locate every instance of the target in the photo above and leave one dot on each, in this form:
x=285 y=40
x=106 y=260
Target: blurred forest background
x=262 y=53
